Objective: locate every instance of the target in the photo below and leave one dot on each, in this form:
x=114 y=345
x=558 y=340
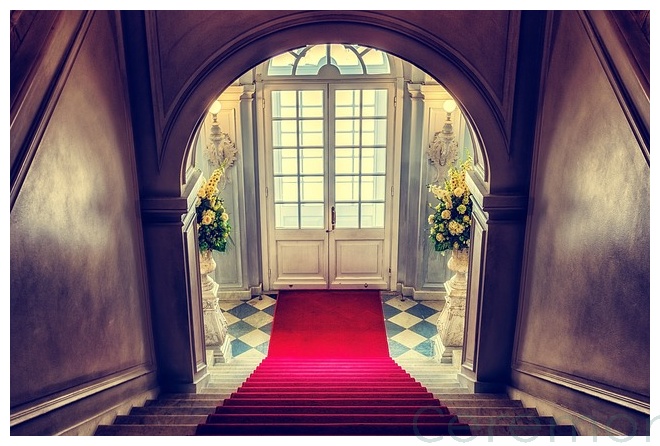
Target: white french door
x=328 y=163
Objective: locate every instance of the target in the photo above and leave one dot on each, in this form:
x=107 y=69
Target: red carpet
x=328 y=372
x=328 y=324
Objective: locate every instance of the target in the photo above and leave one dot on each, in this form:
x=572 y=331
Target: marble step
x=191 y=396
x=474 y=396
x=455 y=404
x=173 y=410
x=170 y=430
x=522 y=430
x=153 y=419
x=500 y=420
x=184 y=402
x=495 y=411
x=453 y=391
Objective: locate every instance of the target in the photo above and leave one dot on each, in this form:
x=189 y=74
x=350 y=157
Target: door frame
x=395 y=87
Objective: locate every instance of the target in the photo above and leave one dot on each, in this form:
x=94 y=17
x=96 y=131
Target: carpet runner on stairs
x=328 y=372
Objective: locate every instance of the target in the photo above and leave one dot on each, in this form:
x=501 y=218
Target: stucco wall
x=584 y=316
x=79 y=308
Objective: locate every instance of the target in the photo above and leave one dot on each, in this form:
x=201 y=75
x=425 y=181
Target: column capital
x=415 y=91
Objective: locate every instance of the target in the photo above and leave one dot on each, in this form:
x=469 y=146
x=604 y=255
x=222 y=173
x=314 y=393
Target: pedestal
x=218 y=340
x=452 y=317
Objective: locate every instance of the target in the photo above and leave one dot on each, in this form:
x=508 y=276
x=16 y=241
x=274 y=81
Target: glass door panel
x=360 y=143
x=298 y=137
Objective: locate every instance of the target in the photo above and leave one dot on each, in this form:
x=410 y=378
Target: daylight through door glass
x=360 y=162
x=298 y=164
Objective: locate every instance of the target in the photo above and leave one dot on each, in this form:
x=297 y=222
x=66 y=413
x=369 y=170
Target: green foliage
x=213 y=226
x=450 y=223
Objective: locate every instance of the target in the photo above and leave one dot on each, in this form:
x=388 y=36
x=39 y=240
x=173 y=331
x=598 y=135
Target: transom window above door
x=347 y=59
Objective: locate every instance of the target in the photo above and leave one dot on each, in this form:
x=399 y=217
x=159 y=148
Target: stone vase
x=207 y=267
x=218 y=342
x=451 y=321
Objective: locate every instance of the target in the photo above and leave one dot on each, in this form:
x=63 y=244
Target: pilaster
x=496 y=254
x=175 y=292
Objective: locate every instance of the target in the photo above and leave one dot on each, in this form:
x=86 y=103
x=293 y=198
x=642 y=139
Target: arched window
x=312 y=60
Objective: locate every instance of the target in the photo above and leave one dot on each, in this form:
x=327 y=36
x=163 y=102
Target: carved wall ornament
x=221 y=148
x=443 y=150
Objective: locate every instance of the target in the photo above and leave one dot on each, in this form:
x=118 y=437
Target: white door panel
x=301 y=262
x=354 y=263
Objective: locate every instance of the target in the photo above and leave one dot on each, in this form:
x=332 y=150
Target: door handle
x=333 y=219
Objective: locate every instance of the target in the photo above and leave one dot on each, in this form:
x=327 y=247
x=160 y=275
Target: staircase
x=331 y=397
x=248 y=398
x=487 y=414
x=179 y=414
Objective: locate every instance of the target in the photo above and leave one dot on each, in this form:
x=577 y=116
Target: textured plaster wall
x=585 y=304
x=78 y=300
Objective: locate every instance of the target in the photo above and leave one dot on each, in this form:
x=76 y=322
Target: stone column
x=451 y=321
x=218 y=340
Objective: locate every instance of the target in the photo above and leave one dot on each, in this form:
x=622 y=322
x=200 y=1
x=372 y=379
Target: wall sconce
x=221 y=148
x=443 y=150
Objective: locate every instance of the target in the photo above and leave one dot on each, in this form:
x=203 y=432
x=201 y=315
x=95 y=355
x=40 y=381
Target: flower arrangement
x=449 y=225
x=212 y=219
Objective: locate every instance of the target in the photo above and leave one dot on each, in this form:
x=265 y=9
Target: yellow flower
x=461 y=209
x=439 y=237
x=458 y=192
x=207 y=217
x=446 y=214
x=455 y=245
x=224 y=216
x=466 y=219
x=455 y=228
x=431 y=218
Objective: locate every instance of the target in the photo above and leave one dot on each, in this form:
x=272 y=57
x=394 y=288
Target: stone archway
x=500 y=195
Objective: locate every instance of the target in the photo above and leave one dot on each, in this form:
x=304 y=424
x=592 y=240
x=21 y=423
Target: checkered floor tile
x=410 y=325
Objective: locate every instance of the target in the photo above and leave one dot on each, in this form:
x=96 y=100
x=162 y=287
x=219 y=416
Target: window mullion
x=360 y=173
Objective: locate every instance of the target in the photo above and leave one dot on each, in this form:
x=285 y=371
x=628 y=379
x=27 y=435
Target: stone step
x=451 y=376
x=224 y=385
x=154 y=419
x=170 y=430
x=184 y=402
x=173 y=410
x=501 y=420
x=495 y=411
x=473 y=396
x=191 y=396
x=224 y=392
x=453 y=391
x=454 y=404
x=522 y=430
